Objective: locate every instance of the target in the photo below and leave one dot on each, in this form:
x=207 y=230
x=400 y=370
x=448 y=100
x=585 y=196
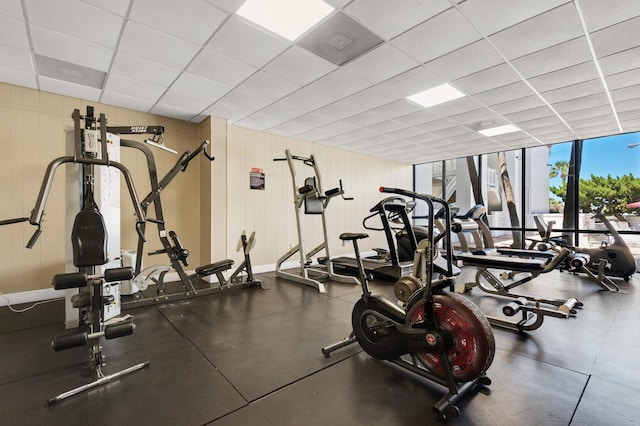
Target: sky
x=603 y=156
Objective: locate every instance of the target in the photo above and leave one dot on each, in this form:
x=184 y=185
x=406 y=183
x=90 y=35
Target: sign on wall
x=256 y=179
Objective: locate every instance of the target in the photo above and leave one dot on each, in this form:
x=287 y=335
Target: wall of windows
x=561 y=184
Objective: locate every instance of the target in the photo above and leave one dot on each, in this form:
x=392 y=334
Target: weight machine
x=315 y=201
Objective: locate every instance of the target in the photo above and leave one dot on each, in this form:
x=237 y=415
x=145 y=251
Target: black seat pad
x=503 y=262
x=350 y=236
x=220 y=266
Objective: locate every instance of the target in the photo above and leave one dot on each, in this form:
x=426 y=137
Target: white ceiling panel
x=563 y=55
x=565 y=77
x=289 y=129
x=191 y=20
x=145 y=42
x=70 y=49
x=488 y=79
x=623 y=79
x=536 y=123
x=388 y=19
x=620 y=62
x=586 y=88
x=371 y=98
x=300 y=66
x=233 y=113
x=616 y=38
x=452 y=131
x=184 y=101
x=628 y=93
x=410 y=82
x=269 y=85
x=307 y=99
x=19 y=78
x=581 y=103
x=76 y=19
x=475 y=117
x=242 y=41
x=504 y=94
x=364 y=119
x=260 y=121
x=418 y=117
x=133 y=89
x=407 y=132
x=125 y=101
x=11 y=8
x=529 y=114
x=172 y=111
x=447 y=31
x=596 y=111
x=246 y=100
x=545 y=30
x=397 y=109
x=455 y=107
x=492 y=16
x=605 y=121
x=599 y=14
x=215 y=66
x=377 y=140
x=12 y=33
x=467 y=60
x=313 y=120
x=521 y=104
x=339 y=84
x=226 y=5
x=201 y=88
x=18 y=59
x=359 y=134
x=339 y=110
x=144 y=70
x=434 y=126
x=74 y=90
x=381 y=63
x=387 y=126
x=281 y=110
x=119 y=7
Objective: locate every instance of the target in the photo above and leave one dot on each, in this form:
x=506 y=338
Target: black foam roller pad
x=119 y=330
x=72 y=280
x=68 y=341
x=118 y=274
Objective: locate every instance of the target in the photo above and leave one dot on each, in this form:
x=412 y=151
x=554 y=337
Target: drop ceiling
x=558 y=70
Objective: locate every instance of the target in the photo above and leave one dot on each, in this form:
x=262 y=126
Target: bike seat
x=351 y=236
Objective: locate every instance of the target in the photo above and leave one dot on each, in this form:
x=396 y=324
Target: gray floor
x=252 y=357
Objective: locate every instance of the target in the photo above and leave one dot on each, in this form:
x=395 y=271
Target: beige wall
x=208 y=206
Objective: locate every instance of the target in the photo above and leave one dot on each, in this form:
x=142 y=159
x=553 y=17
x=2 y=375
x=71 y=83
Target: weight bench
x=532 y=313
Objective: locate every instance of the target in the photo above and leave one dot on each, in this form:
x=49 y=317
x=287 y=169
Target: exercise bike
x=448 y=340
x=609 y=259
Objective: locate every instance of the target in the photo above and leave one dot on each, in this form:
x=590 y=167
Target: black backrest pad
x=89 y=238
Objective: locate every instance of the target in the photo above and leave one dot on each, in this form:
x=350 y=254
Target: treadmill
x=393 y=263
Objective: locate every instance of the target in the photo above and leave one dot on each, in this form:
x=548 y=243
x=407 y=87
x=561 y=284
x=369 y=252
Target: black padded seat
x=214 y=268
x=526 y=253
x=502 y=262
x=350 y=236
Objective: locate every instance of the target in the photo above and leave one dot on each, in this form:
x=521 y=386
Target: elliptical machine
x=609 y=259
x=449 y=341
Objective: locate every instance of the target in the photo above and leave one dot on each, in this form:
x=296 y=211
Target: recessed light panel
x=288 y=18
x=500 y=130
x=436 y=95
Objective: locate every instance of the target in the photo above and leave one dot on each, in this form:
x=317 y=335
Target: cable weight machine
x=315 y=201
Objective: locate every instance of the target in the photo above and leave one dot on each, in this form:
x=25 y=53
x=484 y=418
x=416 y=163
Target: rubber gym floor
x=252 y=357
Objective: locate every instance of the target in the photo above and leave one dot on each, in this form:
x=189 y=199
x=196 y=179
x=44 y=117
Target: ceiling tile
x=359 y=134
x=226 y=5
x=387 y=126
x=457 y=106
x=389 y=19
x=623 y=79
x=545 y=30
x=620 y=62
x=371 y=98
x=491 y=17
x=504 y=93
x=76 y=19
x=172 y=111
x=364 y=119
x=282 y=111
x=406 y=132
x=596 y=111
x=11 y=8
x=336 y=140
x=397 y=109
x=418 y=117
x=481 y=117
x=215 y=66
x=19 y=78
x=145 y=42
x=316 y=134
x=599 y=14
x=466 y=60
x=450 y=29
x=307 y=99
x=289 y=129
x=585 y=88
x=119 y=7
x=125 y=101
x=563 y=55
x=269 y=85
x=184 y=100
x=546 y=130
x=565 y=77
x=17 y=59
x=452 y=131
x=200 y=88
x=339 y=84
x=376 y=140
x=521 y=104
x=247 y=43
x=246 y=100
x=144 y=70
x=529 y=114
x=410 y=82
x=616 y=38
x=339 y=110
x=259 y=121
x=536 y=123
x=299 y=66
x=12 y=33
x=228 y=111
x=132 y=88
x=70 y=49
x=481 y=81
x=313 y=119
x=625 y=94
x=606 y=121
x=381 y=63
x=443 y=123
x=69 y=89
x=191 y=20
